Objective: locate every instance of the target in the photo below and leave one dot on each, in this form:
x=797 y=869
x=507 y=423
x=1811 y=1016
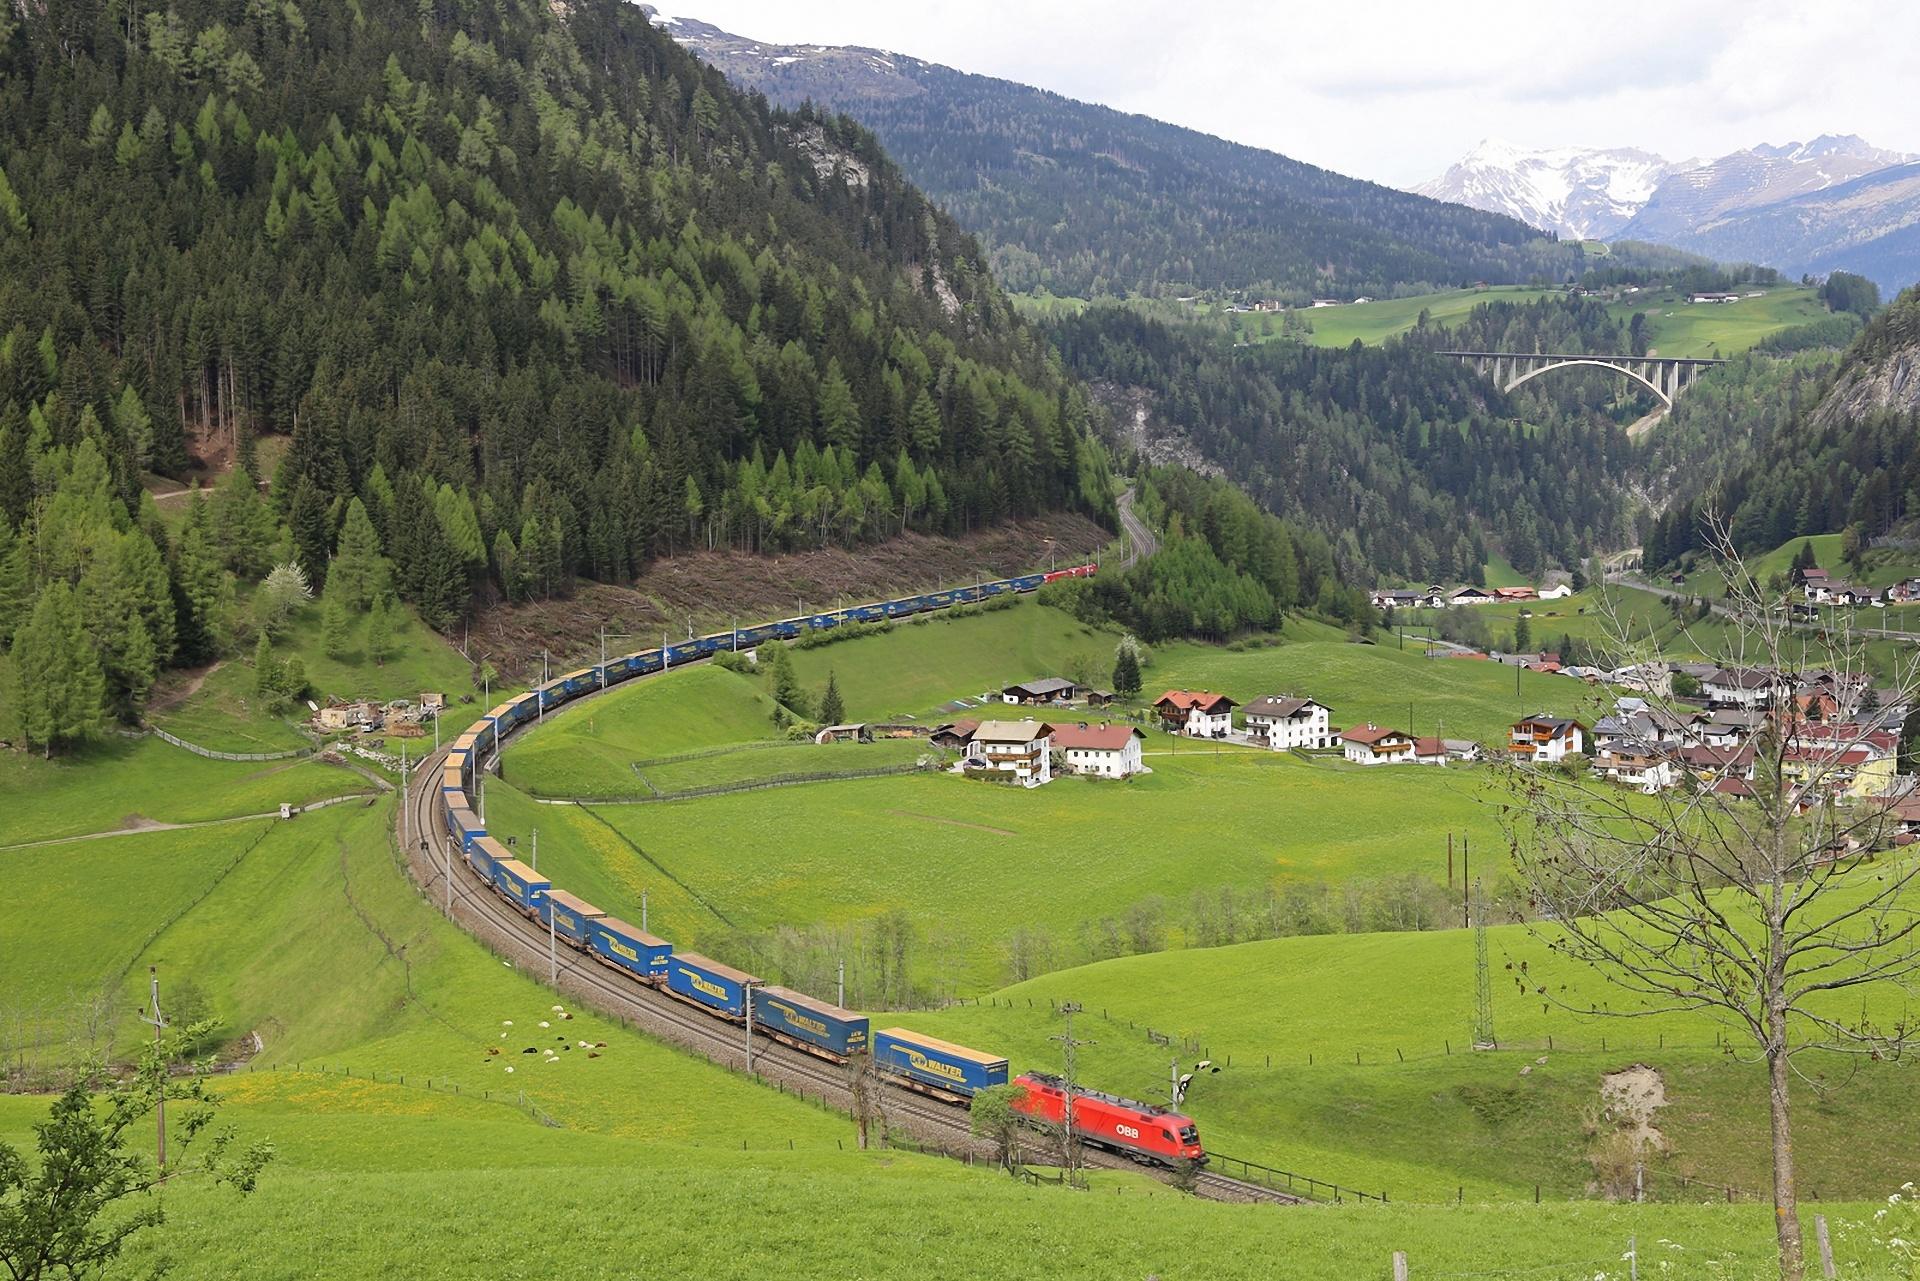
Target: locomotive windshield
x=1189 y=1134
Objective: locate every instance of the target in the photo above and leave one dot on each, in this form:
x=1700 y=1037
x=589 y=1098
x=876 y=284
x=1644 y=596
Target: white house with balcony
x=1021 y=749
x=1107 y=751
x=1287 y=722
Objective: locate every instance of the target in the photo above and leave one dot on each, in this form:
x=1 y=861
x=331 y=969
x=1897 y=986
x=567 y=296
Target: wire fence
x=208 y=752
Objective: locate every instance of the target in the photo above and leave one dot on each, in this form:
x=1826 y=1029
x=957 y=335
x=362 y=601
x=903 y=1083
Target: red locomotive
x=1078 y=571
x=1142 y=1131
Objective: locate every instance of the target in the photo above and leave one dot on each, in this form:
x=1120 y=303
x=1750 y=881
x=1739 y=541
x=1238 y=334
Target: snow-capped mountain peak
x=1577 y=191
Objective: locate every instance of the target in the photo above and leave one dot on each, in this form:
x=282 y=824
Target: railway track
x=434 y=865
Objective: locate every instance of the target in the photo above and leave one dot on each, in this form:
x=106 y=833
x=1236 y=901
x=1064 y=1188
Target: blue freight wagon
x=719 y=988
x=813 y=1025
x=463 y=826
x=935 y=1066
x=485 y=855
x=572 y=917
x=630 y=948
x=520 y=883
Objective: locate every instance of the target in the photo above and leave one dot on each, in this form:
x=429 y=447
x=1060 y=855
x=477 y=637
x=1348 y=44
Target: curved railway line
x=435 y=865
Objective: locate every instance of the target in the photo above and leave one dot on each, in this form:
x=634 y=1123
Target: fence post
x=1826 y=1245
x=1399 y=1265
x=1633 y=1258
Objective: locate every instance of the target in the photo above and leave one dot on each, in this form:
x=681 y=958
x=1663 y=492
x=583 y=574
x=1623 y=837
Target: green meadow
x=1374 y=322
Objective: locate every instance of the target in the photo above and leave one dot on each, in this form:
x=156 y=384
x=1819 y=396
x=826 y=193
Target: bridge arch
x=1599 y=363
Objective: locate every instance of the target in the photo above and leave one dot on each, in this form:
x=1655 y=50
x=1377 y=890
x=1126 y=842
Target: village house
x=1463 y=749
x=1815 y=584
x=1515 y=593
x=1048 y=689
x=1396 y=599
x=1718 y=764
x=1372 y=744
x=1430 y=751
x=1287 y=722
x=1728 y=726
x=1544 y=739
x=1745 y=687
x=1195 y=713
x=1022 y=749
x=1636 y=764
x=1110 y=751
x=1470 y=596
x=1649 y=678
x=953 y=736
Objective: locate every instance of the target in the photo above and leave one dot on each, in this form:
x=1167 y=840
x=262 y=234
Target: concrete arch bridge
x=1665 y=376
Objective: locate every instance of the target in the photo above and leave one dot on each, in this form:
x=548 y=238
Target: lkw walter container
x=719 y=988
x=815 y=1024
x=520 y=883
x=571 y=916
x=630 y=948
x=937 y=1065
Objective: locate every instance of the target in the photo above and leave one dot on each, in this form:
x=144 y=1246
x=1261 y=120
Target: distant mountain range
x=1834 y=202
x=1083 y=200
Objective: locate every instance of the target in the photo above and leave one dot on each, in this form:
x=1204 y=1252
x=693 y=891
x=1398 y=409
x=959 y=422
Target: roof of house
x=1813 y=575
x=1094 y=738
x=960 y=729
x=1737 y=717
x=1045 y=687
x=1370 y=734
x=1460 y=744
x=1429 y=747
x=1733 y=787
x=1700 y=756
x=1281 y=706
x=1743 y=677
x=1205 y=700
x=1471 y=591
x=1011 y=731
x=1555 y=725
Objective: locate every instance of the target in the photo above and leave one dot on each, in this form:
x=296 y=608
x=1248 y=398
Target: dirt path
x=195 y=678
x=953 y=822
x=138 y=824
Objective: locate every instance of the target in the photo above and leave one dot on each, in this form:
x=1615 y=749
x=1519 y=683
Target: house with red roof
x=1196 y=713
x=1108 y=751
x=1372 y=744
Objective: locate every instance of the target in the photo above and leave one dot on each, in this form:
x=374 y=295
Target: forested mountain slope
x=1402 y=460
x=1849 y=459
x=1084 y=200
x=514 y=290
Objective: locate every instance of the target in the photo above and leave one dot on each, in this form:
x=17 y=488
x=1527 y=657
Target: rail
x=1300 y=1185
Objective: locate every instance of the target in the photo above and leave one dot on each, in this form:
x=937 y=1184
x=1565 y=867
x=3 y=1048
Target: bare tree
x=1760 y=888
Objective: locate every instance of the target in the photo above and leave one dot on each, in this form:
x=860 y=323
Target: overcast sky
x=1395 y=90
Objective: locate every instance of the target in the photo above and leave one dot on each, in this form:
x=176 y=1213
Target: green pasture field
x=221 y=716
x=352 y=1154
x=1374 y=322
x=420 y=660
x=1883 y=566
x=1345 y=1057
x=1451 y=697
x=1676 y=327
x=109 y=783
x=590 y=750
x=837 y=854
x=919 y=665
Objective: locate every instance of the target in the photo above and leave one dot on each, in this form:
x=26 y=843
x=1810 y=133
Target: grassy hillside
x=1346 y=1057
x=122 y=783
x=1675 y=327
x=920 y=665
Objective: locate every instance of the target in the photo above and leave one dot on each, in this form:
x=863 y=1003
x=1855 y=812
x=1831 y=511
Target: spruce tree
x=61 y=689
x=333 y=624
x=312 y=538
x=1126 y=672
x=832 y=710
x=380 y=633
x=265 y=676
x=358 y=565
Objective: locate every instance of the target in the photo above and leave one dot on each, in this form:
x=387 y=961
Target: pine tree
x=60 y=687
x=1522 y=634
x=358 y=567
x=1126 y=672
x=312 y=538
x=380 y=633
x=333 y=624
x=839 y=415
x=266 y=684
x=832 y=710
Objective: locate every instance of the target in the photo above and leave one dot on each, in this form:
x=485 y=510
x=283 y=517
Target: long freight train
x=936 y=1068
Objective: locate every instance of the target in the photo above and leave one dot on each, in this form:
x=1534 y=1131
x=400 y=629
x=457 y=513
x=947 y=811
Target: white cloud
x=1395 y=90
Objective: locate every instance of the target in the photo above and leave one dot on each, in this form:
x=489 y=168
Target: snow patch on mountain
x=1577 y=191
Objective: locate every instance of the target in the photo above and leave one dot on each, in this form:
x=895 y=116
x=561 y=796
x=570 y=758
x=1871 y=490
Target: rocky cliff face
x=1883 y=368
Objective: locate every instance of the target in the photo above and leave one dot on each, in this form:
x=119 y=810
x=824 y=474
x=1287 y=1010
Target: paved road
x=1140 y=540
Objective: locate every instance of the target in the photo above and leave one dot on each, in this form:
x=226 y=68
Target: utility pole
x=840 y=991
x=159 y=1023
x=446 y=854
x=536 y=849
x=746 y=999
x=1483 y=1036
x=403 y=793
x=1069 y=1044
x=603 y=656
x=643 y=909
x=553 y=943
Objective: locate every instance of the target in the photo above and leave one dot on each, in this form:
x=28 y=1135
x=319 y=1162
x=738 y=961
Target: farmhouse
x=954 y=736
x=1515 y=593
x=1462 y=749
x=1815 y=583
x=1110 y=751
x=1048 y=689
x=1287 y=722
x=1195 y=713
x=1471 y=596
x=1545 y=739
x=1397 y=599
x=1636 y=764
x=1372 y=744
x=1019 y=748
x=1430 y=751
